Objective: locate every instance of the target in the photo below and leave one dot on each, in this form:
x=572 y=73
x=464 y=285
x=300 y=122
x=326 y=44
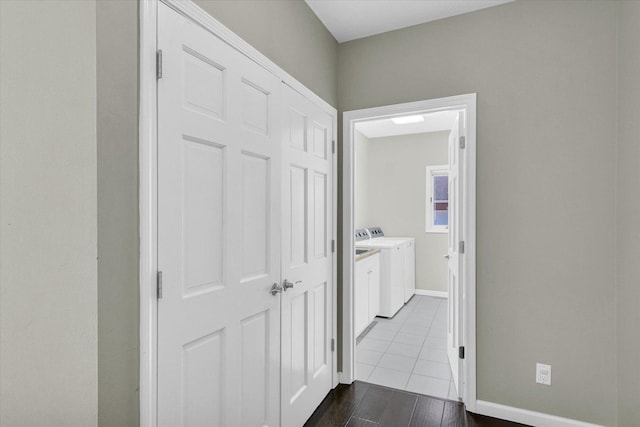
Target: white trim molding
x=466 y=103
x=525 y=416
x=148 y=10
x=147 y=193
x=428 y=293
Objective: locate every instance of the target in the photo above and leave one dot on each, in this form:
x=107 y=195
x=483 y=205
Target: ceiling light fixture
x=407 y=120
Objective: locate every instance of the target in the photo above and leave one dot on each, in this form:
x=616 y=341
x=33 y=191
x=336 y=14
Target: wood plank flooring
x=363 y=404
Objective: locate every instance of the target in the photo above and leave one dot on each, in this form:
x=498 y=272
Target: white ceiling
x=433 y=122
x=354 y=19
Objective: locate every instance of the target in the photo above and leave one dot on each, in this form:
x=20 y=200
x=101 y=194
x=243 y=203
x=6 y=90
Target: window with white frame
x=437 y=218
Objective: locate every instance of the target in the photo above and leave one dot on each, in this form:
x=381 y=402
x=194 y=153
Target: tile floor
x=408 y=352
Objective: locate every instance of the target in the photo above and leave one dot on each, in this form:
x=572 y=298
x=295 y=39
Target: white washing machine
x=392 y=281
x=408 y=255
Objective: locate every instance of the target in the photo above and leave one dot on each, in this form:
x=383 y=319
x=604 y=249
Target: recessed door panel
x=306 y=261
x=203 y=82
x=319 y=317
x=255 y=369
x=298 y=219
x=320 y=140
x=255 y=215
x=255 y=107
x=297 y=130
x=203 y=380
x=203 y=215
x=299 y=348
x=320 y=215
x=219 y=185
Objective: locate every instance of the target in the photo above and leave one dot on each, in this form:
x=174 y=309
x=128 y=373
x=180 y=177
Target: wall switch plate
x=543 y=374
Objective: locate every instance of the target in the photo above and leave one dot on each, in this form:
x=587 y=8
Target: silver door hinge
x=159 y=64
x=333 y=246
x=463 y=142
x=159 y=285
x=333 y=146
x=461 y=352
x=461 y=247
x=333 y=344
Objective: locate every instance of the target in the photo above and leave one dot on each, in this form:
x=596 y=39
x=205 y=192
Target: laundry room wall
x=396 y=196
x=545 y=76
x=628 y=215
x=48 y=278
x=361 y=181
x=118 y=231
x=288 y=33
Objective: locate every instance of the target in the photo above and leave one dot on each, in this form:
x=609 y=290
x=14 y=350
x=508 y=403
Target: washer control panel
x=362 y=234
x=375 y=232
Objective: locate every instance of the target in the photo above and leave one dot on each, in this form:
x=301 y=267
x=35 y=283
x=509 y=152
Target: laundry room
x=391 y=189
x=401 y=221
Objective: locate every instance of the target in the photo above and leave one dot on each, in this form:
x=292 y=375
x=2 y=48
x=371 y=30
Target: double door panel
x=218 y=241
x=307 y=207
x=221 y=142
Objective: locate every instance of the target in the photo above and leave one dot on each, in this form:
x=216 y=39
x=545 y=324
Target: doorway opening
x=409 y=247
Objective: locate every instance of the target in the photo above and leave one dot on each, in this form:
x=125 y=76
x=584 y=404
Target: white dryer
x=392 y=280
x=408 y=258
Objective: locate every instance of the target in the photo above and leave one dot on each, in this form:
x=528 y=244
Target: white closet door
x=454 y=327
x=306 y=257
x=219 y=171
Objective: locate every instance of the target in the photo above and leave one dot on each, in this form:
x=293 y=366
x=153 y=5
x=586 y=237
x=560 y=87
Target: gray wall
x=288 y=33
x=361 y=180
x=628 y=215
x=48 y=280
x=285 y=31
x=117 y=129
x=545 y=75
x=395 y=196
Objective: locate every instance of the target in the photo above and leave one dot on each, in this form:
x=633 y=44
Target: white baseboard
x=437 y=294
x=525 y=416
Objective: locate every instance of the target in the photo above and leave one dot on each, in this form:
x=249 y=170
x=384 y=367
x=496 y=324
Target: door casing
x=467 y=103
x=148 y=186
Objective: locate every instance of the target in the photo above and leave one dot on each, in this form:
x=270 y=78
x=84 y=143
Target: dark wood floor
x=363 y=404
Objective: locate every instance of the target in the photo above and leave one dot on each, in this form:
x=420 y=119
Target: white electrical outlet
x=543 y=374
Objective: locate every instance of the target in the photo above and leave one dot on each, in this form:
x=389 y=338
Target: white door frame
x=350 y=118
x=147 y=146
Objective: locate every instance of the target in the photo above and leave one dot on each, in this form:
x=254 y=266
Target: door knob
x=275 y=289
x=447 y=256
x=288 y=285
